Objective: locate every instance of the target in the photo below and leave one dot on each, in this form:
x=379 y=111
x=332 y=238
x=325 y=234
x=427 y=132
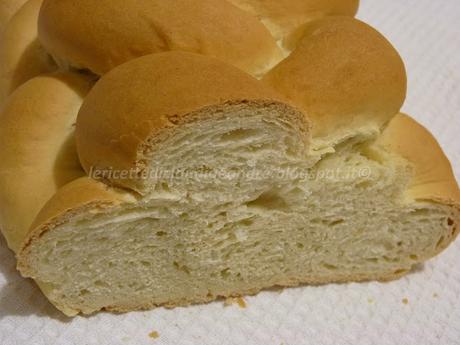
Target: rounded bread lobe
x=37 y=148
x=21 y=55
x=285 y=18
x=344 y=75
x=147 y=96
x=7 y=9
x=99 y=35
x=433 y=178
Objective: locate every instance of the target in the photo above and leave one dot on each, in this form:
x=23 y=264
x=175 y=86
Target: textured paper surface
x=427 y=34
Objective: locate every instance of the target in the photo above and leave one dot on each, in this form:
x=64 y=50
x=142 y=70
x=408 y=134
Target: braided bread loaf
x=182 y=153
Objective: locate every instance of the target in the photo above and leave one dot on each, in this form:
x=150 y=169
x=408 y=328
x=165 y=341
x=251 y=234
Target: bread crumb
x=154 y=334
x=370 y=300
x=435 y=295
x=228 y=301
x=241 y=302
x=405 y=301
x=232 y=300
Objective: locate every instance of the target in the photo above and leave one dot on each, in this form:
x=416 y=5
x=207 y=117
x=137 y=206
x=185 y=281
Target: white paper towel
x=427 y=34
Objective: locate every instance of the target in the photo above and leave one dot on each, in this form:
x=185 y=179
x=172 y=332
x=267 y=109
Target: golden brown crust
x=284 y=18
x=291 y=10
x=7 y=9
x=99 y=35
x=163 y=90
x=37 y=148
x=21 y=55
x=433 y=176
x=343 y=74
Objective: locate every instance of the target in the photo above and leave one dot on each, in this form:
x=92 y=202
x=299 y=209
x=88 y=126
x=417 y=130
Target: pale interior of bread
x=192 y=240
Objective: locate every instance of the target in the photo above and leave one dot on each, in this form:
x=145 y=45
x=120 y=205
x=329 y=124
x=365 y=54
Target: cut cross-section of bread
x=240 y=121
x=252 y=207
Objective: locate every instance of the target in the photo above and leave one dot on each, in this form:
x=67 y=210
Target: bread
x=120 y=135
x=7 y=9
x=21 y=54
x=286 y=19
x=433 y=176
x=199 y=181
x=37 y=148
x=346 y=76
x=184 y=240
x=114 y=31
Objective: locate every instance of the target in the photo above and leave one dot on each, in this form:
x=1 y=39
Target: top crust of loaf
x=344 y=75
x=434 y=178
x=21 y=55
x=284 y=18
x=144 y=99
x=7 y=9
x=99 y=35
